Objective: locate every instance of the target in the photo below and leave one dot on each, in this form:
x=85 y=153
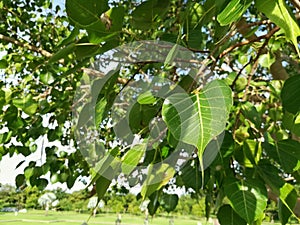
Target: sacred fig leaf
x=144 y=15
x=3 y=64
x=227 y=216
x=190 y=176
x=287 y=153
x=248 y=198
x=20 y=180
x=62 y=53
x=266 y=60
x=103 y=182
x=286 y=192
x=169 y=202
x=85 y=12
x=290 y=94
x=278 y=12
x=146 y=98
x=108 y=27
x=199 y=118
x=233 y=11
x=288 y=198
x=131 y=159
x=292 y=123
x=154 y=202
x=27 y=104
x=158 y=176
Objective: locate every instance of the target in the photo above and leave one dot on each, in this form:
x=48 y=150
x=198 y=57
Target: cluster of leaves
x=251 y=46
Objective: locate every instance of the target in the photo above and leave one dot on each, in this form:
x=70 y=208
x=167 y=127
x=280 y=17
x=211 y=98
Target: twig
x=260 y=51
x=239 y=73
x=26 y=45
x=262 y=22
x=296 y=3
x=96 y=73
x=266 y=36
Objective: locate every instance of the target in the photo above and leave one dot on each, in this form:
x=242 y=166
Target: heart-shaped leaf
x=158 y=176
x=248 y=198
x=131 y=159
x=199 y=118
x=169 y=202
x=227 y=216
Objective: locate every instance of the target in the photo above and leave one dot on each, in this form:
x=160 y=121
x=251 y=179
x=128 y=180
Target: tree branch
x=266 y=36
x=96 y=73
x=47 y=54
x=296 y=3
x=26 y=45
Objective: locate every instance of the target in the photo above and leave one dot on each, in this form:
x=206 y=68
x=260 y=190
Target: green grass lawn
x=72 y=218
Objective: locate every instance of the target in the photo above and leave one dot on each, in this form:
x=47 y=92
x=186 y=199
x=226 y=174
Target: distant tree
x=94 y=204
x=32 y=195
x=47 y=201
x=7 y=195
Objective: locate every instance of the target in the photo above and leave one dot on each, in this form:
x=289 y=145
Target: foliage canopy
x=251 y=50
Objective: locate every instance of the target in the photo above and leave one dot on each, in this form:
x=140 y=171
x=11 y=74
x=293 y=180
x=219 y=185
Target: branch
x=96 y=73
x=266 y=36
x=255 y=64
x=47 y=54
x=26 y=45
x=296 y=3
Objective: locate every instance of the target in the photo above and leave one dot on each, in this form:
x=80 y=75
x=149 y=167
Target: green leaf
x=252 y=150
x=27 y=104
x=169 y=202
x=85 y=116
x=288 y=199
x=248 y=198
x=154 y=203
x=284 y=191
x=108 y=28
x=292 y=123
x=71 y=38
x=3 y=64
x=290 y=94
x=62 y=53
x=102 y=184
x=199 y=118
x=266 y=60
x=85 y=50
x=145 y=14
x=47 y=78
x=108 y=162
x=269 y=174
x=250 y=112
x=191 y=176
x=85 y=12
x=233 y=11
x=195 y=15
x=5 y=137
x=157 y=178
x=146 y=98
x=286 y=153
x=227 y=216
x=277 y=11
x=41 y=183
x=105 y=98
x=20 y=179
x=131 y=159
